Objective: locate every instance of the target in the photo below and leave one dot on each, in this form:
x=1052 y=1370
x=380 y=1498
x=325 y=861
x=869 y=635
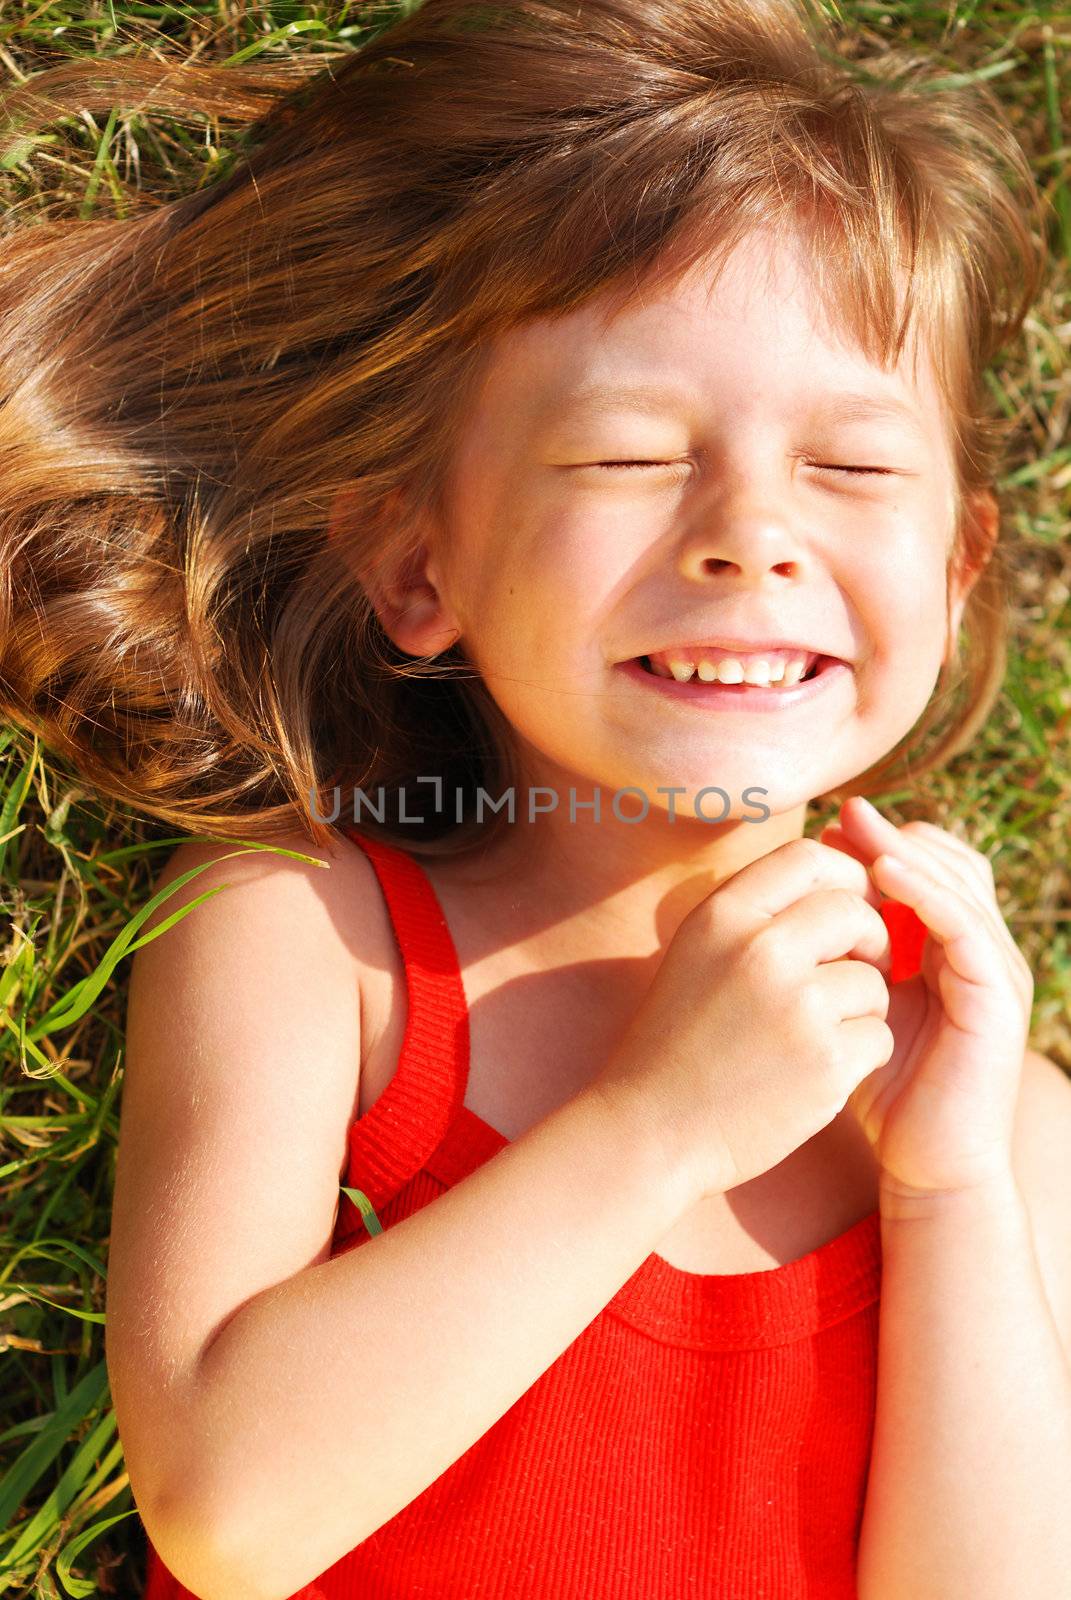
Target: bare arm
x=332 y=1400
x=967 y=1492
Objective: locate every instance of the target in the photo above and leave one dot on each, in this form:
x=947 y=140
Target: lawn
x=76 y=869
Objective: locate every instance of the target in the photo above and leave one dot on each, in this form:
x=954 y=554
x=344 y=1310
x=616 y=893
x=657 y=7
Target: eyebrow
x=852 y=407
x=599 y=399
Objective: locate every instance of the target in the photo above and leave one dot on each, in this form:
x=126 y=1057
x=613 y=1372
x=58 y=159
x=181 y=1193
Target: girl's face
x=557 y=570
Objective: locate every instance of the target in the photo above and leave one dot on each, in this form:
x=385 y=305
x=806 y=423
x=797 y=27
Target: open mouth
x=824 y=672
x=820 y=664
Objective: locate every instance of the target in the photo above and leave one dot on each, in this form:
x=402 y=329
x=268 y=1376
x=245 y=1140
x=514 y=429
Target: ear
x=407 y=593
x=983 y=514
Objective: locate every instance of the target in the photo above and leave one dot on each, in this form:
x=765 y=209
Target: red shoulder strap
x=412 y=1116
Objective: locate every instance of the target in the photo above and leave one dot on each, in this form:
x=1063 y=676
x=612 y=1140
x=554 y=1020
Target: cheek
x=909 y=634
x=519 y=625
x=594 y=566
x=564 y=581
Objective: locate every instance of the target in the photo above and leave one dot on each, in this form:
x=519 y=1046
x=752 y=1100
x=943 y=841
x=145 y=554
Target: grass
x=75 y=872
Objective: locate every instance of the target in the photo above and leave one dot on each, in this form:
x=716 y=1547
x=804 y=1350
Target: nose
x=750 y=547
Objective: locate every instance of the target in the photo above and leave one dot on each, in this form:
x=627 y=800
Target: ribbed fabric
x=706 y=1435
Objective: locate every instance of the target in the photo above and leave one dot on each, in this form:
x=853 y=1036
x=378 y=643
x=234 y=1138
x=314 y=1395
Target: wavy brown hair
x=188 y=396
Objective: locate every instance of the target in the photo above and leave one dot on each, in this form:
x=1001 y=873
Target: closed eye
x=820 y=465
x=607 y=464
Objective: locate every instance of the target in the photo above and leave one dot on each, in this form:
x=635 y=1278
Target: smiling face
x=742 y=520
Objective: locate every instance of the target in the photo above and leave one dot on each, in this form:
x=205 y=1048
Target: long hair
x=184 y=391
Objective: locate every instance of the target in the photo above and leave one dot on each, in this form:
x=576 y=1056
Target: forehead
x=751 y=331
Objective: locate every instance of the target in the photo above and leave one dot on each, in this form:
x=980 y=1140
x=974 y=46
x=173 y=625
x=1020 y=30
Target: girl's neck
x=607 y=885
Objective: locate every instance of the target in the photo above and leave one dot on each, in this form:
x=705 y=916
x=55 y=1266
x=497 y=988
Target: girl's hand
x=940 y=1113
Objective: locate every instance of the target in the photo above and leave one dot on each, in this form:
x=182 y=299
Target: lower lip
x=742 y=696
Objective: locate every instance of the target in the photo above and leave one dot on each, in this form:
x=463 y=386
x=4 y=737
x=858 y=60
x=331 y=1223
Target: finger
x=796 y=868
x=817 y=927
x=974 y=862
x=854 y=989
x=865 y=822
x=837 y=839
x=929 y=854
x=975 y=873
x=989 y=917
x=954 y=924
x=950 y=918
x=946 y=868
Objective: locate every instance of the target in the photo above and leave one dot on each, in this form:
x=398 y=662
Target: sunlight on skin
x=554 y=570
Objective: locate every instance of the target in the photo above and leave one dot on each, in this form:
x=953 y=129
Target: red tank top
x=705 y=1435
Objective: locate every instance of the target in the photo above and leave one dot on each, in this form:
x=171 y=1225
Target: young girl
x=551 y=459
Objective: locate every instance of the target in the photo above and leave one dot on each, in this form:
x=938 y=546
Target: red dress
x=706 y=1435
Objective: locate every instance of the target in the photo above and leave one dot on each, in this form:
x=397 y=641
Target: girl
x=553 y=457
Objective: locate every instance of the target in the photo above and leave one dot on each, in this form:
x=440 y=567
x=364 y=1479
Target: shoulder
x=291 y=884
x=284 y=906
x=272 y=938
x=1042 y=1163
x=250 y=943
x=289 y=863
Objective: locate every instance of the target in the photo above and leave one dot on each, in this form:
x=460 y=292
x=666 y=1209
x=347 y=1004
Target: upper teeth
x=756 y=669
